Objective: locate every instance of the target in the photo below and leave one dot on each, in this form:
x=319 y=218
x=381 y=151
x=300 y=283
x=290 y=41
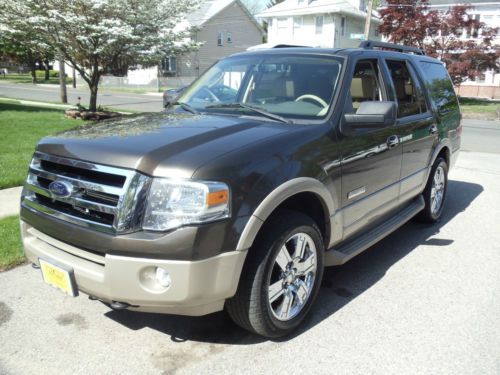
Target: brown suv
x=269 y=167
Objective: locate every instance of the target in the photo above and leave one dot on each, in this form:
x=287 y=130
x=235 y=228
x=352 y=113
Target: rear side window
x=440 y=87
x=410 y=99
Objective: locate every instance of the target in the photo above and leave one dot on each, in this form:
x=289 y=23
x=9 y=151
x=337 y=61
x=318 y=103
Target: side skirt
x=340 y=254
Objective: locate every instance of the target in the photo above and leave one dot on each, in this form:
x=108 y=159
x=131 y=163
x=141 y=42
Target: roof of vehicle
x=345 y=52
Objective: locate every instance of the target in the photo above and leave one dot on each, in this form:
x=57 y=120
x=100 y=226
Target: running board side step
x=340 y=255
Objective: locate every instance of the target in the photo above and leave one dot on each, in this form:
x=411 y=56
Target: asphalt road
x=481 y=136
x=424 y=300
x=50 y=93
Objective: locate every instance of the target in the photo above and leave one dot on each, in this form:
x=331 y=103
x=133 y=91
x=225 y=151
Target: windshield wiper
x=186 y=107
x=253 y=109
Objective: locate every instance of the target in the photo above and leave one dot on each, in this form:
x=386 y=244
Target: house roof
x=306 y=7
x=210 y=8
x=207 y=10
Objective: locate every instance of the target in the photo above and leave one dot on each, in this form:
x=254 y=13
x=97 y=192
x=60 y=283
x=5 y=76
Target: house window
x=169 y=64
x=342 y=26
x=297 y=24
x=282 y=26
x=376 y=31
x=362 y=5
x=229 y=37
x=319 y=25
x=220 y=38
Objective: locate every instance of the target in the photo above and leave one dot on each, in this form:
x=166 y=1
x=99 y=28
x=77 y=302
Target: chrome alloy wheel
x=437 y=190
x=292 y=277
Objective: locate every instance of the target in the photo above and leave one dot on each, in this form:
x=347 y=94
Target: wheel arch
x=442 y=149
x=310 y=193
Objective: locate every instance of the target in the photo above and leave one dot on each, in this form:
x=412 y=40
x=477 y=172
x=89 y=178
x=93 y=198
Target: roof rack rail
x=371 y=44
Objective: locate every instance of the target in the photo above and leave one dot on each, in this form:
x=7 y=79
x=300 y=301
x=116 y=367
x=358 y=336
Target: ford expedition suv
x=271 y=166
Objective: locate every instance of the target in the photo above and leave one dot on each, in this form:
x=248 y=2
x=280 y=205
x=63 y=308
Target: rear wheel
x=435 y=192
x=281 y=277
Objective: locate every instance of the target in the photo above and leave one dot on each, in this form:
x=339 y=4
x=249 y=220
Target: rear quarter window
x=439 y=86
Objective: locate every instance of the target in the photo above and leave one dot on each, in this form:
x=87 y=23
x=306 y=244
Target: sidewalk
x=9 y=201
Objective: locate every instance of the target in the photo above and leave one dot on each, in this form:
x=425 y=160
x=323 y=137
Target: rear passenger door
x=418 y=132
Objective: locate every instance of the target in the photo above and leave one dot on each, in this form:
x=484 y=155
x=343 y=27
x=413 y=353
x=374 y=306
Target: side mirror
x=372 y=115
x=170 y=96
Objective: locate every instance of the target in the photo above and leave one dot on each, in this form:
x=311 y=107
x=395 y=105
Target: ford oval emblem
x=60 y=189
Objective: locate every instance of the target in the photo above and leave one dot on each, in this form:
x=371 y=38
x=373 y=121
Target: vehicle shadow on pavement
x=340 y=285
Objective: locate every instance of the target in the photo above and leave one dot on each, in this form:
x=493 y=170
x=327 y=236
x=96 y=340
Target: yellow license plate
x=59 y=277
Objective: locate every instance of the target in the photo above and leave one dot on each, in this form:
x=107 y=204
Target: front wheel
x=435 y=192
x=281 y=277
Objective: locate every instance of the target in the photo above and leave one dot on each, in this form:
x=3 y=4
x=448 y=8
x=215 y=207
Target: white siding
x=330 y=37
x=306 y=35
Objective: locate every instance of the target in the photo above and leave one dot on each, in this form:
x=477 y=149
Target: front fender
x=278 y=196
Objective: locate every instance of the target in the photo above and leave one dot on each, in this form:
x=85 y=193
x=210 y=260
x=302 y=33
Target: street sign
x=358 y=36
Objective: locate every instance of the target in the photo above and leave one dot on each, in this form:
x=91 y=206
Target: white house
x=318 y=23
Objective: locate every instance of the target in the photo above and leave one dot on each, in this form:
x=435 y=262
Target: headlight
x=174 y=203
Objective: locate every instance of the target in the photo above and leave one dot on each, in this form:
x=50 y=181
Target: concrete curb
x=38 y=104
x=9 y=201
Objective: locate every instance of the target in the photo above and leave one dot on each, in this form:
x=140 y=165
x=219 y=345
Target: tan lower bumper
x=197 y=287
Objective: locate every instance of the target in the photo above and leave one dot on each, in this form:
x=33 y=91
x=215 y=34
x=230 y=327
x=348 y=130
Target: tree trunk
x=47 y=70
x=93 y=96
x=62 y=81
x=33 y=71
x=94 y=86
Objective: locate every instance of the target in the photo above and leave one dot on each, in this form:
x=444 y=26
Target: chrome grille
x=104 y=198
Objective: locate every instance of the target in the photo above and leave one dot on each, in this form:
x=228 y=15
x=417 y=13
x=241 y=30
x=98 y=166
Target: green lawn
x=11 y=253
x=471 y=105
x=40 y=76
x=21 y=127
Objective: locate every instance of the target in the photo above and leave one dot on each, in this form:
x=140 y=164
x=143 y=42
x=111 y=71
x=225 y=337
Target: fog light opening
x=163 y=277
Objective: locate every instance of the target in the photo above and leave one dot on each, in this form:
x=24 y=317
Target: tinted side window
x=410 y=100
x=440 y=87
x=365 y=85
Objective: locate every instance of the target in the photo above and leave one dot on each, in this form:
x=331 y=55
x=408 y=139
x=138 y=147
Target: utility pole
x=368 y=19
x=62 y=80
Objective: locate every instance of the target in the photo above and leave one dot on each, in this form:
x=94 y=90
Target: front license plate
x=59 y=277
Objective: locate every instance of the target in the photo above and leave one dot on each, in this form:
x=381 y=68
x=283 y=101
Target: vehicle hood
x=160 y=144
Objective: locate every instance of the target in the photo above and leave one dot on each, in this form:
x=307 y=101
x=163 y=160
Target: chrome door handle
x=392 y=141
x=433 y=129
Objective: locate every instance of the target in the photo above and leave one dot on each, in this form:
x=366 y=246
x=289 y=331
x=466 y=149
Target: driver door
x=371 y=158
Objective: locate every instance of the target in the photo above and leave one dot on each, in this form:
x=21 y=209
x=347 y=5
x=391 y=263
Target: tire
x=431 y=213
x=267 y=265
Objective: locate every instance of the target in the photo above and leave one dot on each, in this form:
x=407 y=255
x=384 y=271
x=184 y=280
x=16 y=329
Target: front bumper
x=197 y=288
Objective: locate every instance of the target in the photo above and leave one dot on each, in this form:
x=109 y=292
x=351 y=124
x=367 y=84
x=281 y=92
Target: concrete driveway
x=424 y=300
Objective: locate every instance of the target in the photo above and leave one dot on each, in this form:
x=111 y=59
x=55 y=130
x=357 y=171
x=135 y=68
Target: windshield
x=289 y=86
